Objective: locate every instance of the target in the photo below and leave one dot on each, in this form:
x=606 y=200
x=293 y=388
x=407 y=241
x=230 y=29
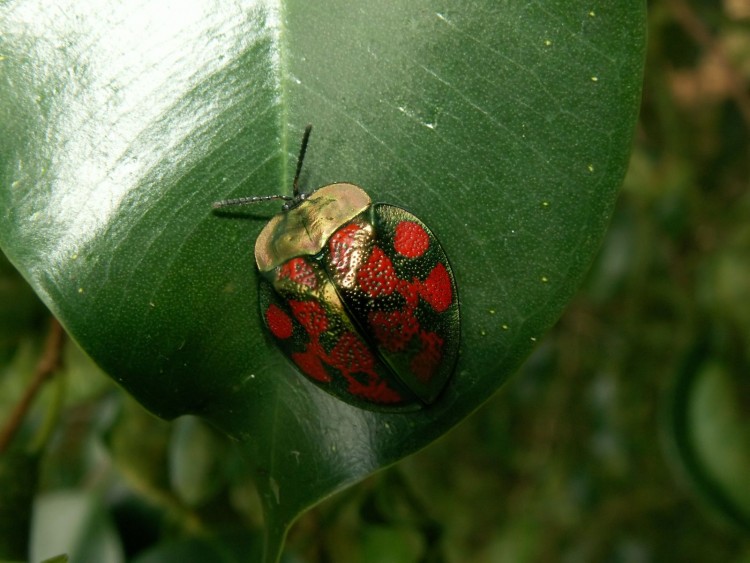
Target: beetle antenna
x=247 y=200
x=295 y=199
x=300 y=158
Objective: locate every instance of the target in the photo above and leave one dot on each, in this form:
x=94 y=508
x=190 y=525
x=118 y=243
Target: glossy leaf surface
x=505 y=126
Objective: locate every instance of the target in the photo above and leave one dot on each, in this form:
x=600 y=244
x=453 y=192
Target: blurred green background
x=626 y=436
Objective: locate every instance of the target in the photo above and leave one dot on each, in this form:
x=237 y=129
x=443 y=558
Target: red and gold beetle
x=360 y=296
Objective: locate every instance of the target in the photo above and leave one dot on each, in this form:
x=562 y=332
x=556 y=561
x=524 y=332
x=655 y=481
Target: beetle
x=360 y=296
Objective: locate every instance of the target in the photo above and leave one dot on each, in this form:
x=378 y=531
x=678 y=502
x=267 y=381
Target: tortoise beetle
x=360 y=296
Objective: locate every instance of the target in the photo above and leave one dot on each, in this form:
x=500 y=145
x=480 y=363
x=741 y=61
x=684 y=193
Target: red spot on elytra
x=310 y=364
x=279 y=322
x=411 y=240
x=299 y=271
x=377 y=277
x=393 y=329
x=437 y=289
x=426 y=362
x=351 y=355
x=311 y=316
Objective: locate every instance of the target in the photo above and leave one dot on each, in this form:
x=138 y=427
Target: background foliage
x=623 y=438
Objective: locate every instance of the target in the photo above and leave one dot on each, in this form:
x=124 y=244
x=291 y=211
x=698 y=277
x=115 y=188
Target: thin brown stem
x=49 y=363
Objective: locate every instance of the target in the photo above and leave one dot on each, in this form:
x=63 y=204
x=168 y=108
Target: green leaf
x=505 y=126
x=707 y=427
